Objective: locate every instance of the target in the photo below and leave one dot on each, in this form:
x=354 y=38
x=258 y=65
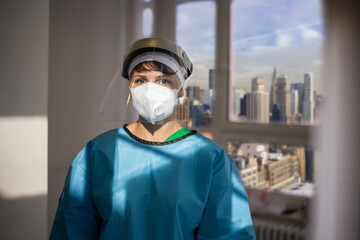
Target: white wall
x=87 y=42
x=23 y=118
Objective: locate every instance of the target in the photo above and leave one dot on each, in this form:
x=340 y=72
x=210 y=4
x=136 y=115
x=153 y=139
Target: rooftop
x=282 y=76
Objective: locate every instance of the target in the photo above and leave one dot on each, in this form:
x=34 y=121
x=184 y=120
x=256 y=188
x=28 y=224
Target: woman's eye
x=139 y=81
x=164 y=81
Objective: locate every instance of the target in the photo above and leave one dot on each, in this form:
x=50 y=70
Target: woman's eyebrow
x=164 y=75
x=137 y=76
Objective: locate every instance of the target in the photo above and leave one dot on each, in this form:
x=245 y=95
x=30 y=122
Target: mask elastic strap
x=128 y=99
x=177 y=92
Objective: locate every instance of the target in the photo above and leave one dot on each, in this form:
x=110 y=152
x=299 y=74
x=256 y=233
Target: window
x=147 y=22
x=252 y=39
x=275 y=67
x=276 y=62
x=196 y=34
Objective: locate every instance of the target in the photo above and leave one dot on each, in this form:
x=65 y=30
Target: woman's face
x=170 y=81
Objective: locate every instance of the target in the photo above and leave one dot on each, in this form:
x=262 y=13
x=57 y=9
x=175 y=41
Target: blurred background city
x=276 y=51
x=285 y=103
x=276 y=61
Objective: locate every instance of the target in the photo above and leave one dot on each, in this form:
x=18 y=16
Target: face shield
x=155 y=72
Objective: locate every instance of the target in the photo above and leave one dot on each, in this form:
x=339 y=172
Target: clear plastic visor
x=154 y=91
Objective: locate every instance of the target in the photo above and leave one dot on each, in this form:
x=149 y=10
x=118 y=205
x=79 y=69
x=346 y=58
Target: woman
x=153 y=179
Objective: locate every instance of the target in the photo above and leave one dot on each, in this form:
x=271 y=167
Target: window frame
x=222 y=128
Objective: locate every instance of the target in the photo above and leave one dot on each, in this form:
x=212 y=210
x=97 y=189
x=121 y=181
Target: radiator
x=270 y=229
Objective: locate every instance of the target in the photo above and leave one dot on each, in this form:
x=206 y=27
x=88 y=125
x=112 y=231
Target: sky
x=285 y=33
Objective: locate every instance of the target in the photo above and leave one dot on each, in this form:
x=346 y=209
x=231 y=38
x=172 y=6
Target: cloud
x=293 y=61
x=281 y=37
x=283 y=40
x=309 y=34
x=196 y=25
x=276 y=22
x=286 y=33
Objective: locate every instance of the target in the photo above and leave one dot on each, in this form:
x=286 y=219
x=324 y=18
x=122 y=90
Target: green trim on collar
x=178 y=134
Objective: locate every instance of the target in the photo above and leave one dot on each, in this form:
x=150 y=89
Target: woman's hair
x=153 y=66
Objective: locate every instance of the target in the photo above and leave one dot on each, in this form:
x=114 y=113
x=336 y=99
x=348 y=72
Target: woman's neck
x=157 y=132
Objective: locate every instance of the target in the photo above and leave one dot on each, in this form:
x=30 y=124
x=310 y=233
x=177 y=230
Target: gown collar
x=157 y=143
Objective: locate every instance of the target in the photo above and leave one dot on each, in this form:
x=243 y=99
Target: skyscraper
x=300 y=153
x=243 y=104
x=319 y=101
x=193 y=92
x=309 y=164
x=275 y=114
x=239 y=94
x=294 y=104
x=182 y=113
x=257 y=84
x=283 y=98
x=209 y=98
x=211 y=79
x=308 y=98
x=300 y=88
x=202 y=96
x=258 y=102
x=196 y=110
x=272 y=88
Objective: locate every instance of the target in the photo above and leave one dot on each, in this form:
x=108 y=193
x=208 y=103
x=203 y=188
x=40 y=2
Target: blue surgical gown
x=122 y=187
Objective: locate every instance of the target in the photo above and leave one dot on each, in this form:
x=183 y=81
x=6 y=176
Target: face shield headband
x=162 y=58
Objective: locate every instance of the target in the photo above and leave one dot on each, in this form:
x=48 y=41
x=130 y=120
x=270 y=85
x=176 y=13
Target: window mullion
x=222 y=67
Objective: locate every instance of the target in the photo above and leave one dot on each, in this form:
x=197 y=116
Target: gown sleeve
x=226 y=214
x=76 y=216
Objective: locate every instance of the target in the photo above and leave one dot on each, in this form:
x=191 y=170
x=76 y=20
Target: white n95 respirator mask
x=153 y=101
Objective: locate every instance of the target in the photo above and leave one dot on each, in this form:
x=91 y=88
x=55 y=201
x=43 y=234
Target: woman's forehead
x=149 y=73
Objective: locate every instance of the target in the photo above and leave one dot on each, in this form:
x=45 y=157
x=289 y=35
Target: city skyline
x=247 y=85
x=261 y=39
x=281 y=102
